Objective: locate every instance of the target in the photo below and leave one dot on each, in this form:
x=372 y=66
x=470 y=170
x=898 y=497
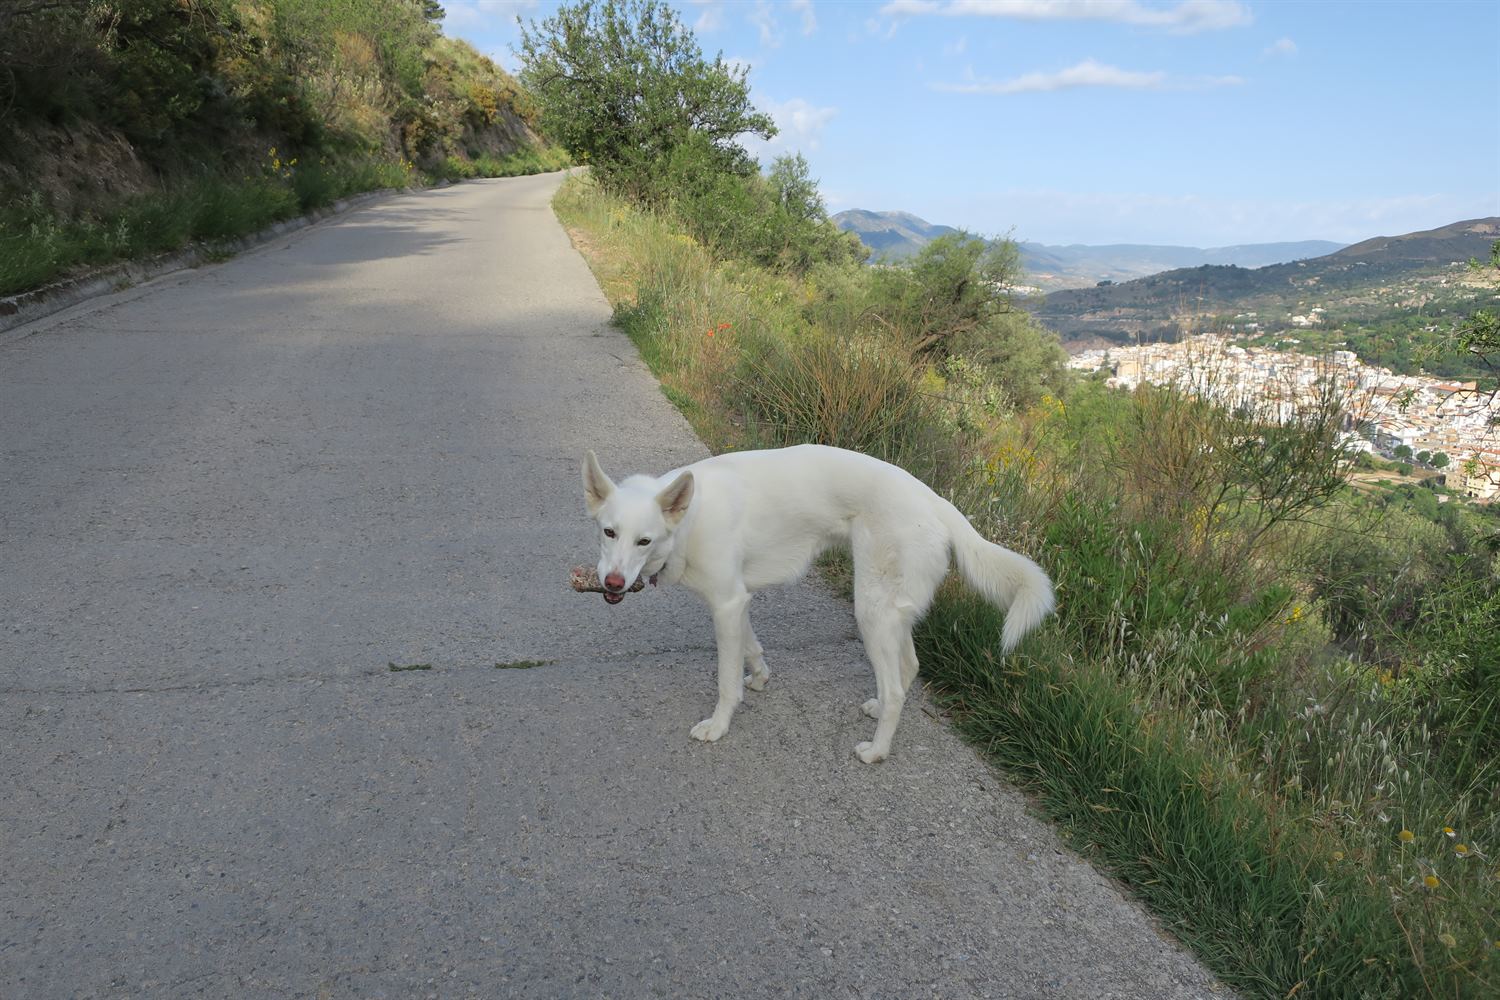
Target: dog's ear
x=675 y=498
x=596 y=485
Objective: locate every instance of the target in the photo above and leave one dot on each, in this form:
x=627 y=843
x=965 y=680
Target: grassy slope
x=307 y=112
x=1271 y=842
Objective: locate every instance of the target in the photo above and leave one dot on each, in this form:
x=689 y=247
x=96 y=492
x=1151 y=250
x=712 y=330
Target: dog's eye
x=644 y=541
x=609 y=532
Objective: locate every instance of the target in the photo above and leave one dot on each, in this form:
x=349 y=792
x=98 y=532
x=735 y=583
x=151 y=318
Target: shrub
x=622 y=84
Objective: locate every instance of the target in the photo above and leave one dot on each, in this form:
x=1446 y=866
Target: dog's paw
x=757 y=682
x=709 y=730
x=867 y=753
x=872 y=709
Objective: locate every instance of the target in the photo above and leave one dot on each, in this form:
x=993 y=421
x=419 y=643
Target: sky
x=1189 y=122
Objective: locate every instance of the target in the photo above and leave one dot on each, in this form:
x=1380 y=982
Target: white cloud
x=1186 y=17
x=1281 y=47
x=711 y=20
x=799 y=127
x=1089 y=73
x=738 y=63
x=809 y=17
x=763 y=18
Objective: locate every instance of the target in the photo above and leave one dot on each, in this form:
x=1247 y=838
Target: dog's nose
x=615 y=581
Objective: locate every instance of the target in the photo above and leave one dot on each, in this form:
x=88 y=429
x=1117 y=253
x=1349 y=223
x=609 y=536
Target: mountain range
x=897 y=235
x=1404 y=272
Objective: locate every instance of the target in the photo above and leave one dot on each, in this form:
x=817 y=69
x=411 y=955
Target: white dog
x=727 y=526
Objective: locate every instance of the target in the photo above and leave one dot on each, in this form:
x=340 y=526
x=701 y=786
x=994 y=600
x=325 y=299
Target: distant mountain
x=897 y=235
x=1150 y=306
x=890 y=235
x=1080 y=266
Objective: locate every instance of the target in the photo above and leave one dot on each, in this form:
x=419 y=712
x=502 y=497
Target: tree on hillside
x=796 y=191
x=1479 y=334
x=623 y=85
x=953 y=300
x=952 y=289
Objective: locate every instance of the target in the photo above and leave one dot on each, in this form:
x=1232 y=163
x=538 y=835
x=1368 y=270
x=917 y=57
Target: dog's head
x=636 y=522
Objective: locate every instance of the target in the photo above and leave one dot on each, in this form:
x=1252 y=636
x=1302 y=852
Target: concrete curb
x=27 y=307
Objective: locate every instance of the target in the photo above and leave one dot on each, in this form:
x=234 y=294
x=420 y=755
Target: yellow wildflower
x=1462 y=850
x=1430 y=881
x=1407 y=836
x=1448 y=830
x=1338 y=855
x=1448 y=939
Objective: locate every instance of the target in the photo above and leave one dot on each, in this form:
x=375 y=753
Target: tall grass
x=530 y=160
x=38 y=246
x=1313 y=811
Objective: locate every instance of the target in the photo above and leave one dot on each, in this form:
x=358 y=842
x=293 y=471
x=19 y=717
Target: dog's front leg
x=730 y=623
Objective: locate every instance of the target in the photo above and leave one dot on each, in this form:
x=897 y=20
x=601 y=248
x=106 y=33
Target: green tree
x=622 y=84
x=1439 y=460
x=796 y=192
x=1424 y=456
x=1478 y=335
x=953 y=300
x=951 y=291
x=1402 y=451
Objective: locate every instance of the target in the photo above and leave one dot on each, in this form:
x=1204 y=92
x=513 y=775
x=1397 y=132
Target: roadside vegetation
x=128 y=129
x=1269 y=702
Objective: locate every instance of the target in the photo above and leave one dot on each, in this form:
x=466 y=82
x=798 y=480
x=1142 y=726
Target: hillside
x=130 y=129
x=898 y=235
x=1083 y=266
x=1378 y=280
x=890 y=235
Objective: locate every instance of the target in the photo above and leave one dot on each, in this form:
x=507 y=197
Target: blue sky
x=1196 y=122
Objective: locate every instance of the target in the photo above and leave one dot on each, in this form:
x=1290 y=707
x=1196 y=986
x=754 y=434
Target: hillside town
x=1406 y=417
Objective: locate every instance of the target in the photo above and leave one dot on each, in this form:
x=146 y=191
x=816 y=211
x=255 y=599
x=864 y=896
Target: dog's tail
x=1012 y=582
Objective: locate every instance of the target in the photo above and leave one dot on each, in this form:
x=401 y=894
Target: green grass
x=400 y=667
x=1169 y=816
x=523 y=162
x=1312 y=820
x=37 y=247
x=523 y=664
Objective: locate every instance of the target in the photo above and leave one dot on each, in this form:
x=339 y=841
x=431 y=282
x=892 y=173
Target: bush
x=623 y=85
x=858 y=391
x=953 y=299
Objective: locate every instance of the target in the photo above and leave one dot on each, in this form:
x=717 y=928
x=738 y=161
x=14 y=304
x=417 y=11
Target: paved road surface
x=232 y=497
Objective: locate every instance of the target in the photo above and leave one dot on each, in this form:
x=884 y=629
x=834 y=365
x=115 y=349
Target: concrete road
x=232 y=498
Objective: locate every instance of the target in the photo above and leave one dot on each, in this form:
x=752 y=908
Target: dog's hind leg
x=908 y=662
x=731 y=623
x=895 y=575
x=908 y=675
x=882 y=629
x=755 y=658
